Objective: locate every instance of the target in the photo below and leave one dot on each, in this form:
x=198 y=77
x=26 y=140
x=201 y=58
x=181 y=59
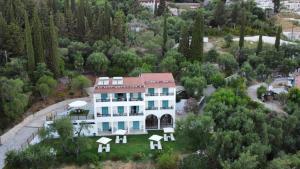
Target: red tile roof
x=137 y=84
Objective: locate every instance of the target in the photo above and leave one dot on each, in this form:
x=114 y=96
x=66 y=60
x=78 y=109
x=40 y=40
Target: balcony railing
x=166 y=94
x=136 y=114
x=119 y=99
x=118 y=114
x=136 y=99
x=166 y=108
x=103 y=115
x=72 y=117
x=152 y=108
x=102 y=100
x=151 y=94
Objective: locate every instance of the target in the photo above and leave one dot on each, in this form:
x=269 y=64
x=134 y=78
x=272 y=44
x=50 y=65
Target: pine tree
x=278 y=35
x=81 y=26
x=165 y=35
x=37 y=37
x=242 y=29
x=197 y=37
x=184 y=43
x=29 y=47
x=53 y=48
x=259 y=45
x=119 y=26
x=161 y=8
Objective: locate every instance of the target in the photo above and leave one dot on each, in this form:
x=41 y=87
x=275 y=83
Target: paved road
x=251 y=91
x=31 y=127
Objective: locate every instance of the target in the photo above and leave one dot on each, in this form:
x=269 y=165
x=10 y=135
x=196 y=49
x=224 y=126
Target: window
x=136 y=125
x=104 y=96
x=105 y=126
x=165 y=104
x=151 y=91
x=120 y=109
x=151 y=104
x=121 y=125
x=104 y=110
x=165 y=91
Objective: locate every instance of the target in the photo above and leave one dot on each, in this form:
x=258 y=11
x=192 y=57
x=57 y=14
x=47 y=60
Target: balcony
x=103 y=100
x=136 y=114
x=167 y=94
x=152 y=108
x=151 y=94
x=136 y=99
x=120 y=99
x=119 y=115
x=103 y=115
x=166 y=108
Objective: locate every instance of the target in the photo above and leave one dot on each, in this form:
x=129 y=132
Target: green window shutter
x=165 y=91
x=165 y=103
x=151 y=90
x=105 y=126
x=137 y=108
x=136 y=125
x=140 y=95
x=121 y=125
x=120 y=109
x=105 y=110
x=150 y=104
x=104 y=96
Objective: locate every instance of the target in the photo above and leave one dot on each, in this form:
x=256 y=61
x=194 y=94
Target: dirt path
x=251 y=91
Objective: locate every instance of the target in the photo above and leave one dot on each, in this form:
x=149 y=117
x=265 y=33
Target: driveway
x=273 y=106
x=16 y=141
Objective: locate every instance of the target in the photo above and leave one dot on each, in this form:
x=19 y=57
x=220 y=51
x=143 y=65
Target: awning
x=155 y=138
x=103 y=140
x=77 y=104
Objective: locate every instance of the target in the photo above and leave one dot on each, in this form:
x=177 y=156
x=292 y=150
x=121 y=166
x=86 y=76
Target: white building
x=291 y=5
x=149 y=4
x=135 y=104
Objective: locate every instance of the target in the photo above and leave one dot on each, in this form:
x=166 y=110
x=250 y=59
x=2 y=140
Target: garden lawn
x=137 y=148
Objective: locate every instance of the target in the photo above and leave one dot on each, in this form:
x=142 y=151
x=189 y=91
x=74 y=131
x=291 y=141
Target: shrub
x=87 y=157
x=168 y=161
x=261 y=91
x=137 y=156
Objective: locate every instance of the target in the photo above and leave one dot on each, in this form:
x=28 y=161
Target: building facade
x=135 y=104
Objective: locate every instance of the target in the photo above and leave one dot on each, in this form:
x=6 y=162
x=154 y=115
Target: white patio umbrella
x=77 y=104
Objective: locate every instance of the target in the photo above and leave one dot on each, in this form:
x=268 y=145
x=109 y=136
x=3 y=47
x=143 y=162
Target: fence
x=30 y=138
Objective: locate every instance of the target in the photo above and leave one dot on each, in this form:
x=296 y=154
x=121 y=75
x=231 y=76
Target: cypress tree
x=184 y=43
x=277 y=41
x=3 y=27
x=73 y=6
x=29 y=47
x=259 y=45
x=165 y=35
x=53 y=48
x=37 y=37
x=219 y=12
x=119 y=27
x=81 y=29
x=107 y=22
x=242 y=29
x=197 y=37
x=161 y=8
x=68 y=19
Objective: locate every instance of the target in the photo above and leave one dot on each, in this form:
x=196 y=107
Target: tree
x=194 y=85
x=228 y=63
x=259 y=45
x=219 y=13
x=228 y=40
x=168 y=160
x=278 y=36
x=41 y=70
x=126 y=61
x=261 y=91
x=161 y=8
x=212 y=55
x=165 y=35
x=197 y=37
x=119 y=26
x=78 y=61
x=53 y=58
x=80 y=83
x=46 y=86
x=243 y=25
x=191 y=106
x=81 y=21
x=37 y=38
x=184 y=42
x=29 y=47
x=276 y=5
x=98 y=62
